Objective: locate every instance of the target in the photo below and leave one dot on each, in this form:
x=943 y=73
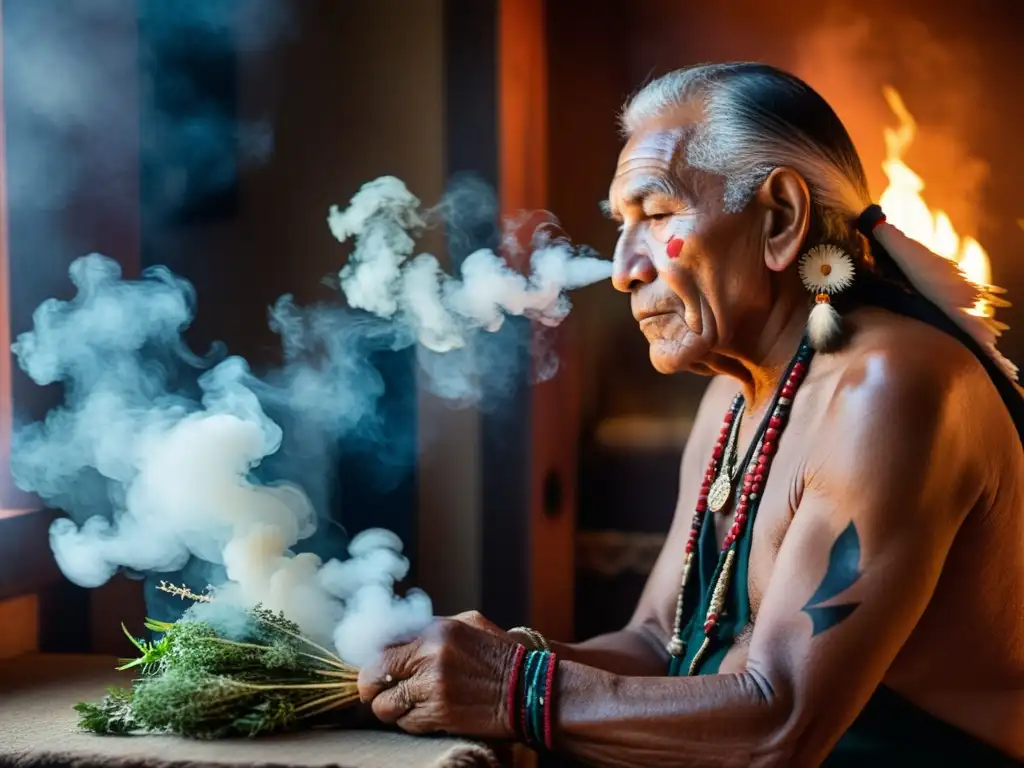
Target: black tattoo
x=842 y=572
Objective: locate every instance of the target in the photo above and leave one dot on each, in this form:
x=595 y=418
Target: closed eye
x=660 y=216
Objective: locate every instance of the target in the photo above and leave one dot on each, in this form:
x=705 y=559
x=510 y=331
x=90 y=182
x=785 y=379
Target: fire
x=906 y=209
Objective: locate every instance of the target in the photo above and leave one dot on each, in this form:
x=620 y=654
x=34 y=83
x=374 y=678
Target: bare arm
x=856 y=570
x=629 y=651
x=639 y=648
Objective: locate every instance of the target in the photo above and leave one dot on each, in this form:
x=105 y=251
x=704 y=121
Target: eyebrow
x=635 y=194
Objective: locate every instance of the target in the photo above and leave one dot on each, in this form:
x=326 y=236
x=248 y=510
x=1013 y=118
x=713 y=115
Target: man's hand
x=477 y=620
x=453 y=679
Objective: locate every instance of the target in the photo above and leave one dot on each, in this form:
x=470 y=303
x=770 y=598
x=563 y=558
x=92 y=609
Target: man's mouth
x=645 y=320
x=649 y=314
x=660 y=326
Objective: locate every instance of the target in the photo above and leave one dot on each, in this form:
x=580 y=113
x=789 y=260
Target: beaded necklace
x=758 y=462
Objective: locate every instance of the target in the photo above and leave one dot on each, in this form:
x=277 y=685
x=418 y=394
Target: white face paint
x=646 y=196
x=657 y=226
x=651 y=202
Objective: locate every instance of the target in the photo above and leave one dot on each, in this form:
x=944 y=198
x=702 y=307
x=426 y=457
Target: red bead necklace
x=754 y=480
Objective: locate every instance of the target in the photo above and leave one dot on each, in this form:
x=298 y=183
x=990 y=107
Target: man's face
x=692 y=270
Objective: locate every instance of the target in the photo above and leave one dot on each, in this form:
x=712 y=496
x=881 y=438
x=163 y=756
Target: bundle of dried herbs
x=196 y=681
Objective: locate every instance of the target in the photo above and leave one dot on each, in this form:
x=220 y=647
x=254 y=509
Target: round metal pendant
x=719 y=494
x=675 y=646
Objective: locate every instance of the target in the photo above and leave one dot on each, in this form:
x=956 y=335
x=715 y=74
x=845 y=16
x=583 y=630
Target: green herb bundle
x=196 y=682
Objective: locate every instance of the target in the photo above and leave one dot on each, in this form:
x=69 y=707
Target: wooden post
x=18 y=615
x=553 y=417
x=13 y=502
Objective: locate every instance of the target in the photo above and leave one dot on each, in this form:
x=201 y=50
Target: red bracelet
x=549 y=699
x=517 y=663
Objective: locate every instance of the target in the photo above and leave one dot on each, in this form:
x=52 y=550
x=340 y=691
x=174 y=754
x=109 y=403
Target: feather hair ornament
x=943 y=283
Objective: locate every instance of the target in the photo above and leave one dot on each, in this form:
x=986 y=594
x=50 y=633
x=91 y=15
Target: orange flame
x=906 y=209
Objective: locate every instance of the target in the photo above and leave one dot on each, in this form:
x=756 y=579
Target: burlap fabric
x=37 y=730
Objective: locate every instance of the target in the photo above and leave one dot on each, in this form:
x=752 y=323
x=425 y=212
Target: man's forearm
x=632 y=652
x=714 y=720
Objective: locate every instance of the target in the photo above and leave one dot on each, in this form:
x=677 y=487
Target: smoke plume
x=442 y=312
x=158 y=455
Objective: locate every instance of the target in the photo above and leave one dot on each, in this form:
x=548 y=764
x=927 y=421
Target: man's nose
x=631 y=268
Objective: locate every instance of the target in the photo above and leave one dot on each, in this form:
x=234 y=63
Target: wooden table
x=38 y=730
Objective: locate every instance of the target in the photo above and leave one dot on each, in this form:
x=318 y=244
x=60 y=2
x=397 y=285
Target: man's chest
x=770 y=526
x=774 y=512
x=798 y=445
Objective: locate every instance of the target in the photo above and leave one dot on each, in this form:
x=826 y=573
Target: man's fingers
x=394 y=703
x=372 y=682
x=394 y=664
x=418 y=722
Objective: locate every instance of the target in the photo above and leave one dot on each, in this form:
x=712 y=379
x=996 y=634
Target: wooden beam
x=19 y=617
x=523 y=174
x=522 y=94
x=13 y=502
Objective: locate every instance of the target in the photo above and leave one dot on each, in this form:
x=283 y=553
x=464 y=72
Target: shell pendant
x=718 y=495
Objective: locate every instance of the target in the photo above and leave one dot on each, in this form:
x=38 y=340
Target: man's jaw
x=674 y=345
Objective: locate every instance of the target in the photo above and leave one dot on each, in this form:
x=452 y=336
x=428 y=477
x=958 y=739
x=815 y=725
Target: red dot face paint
x=675 y=245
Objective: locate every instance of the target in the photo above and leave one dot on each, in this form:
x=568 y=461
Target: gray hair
x=754 y=118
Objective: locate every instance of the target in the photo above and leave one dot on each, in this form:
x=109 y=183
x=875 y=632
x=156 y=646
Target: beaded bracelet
x=513 y=688
x=535 y=688
x=531 y=638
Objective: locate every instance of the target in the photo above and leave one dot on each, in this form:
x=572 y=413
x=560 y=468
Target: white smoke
x=179 y=472
x=442 y=311
x=156 y=454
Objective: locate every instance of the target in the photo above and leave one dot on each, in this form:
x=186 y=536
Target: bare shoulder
x=901 y=368
x=906 y=399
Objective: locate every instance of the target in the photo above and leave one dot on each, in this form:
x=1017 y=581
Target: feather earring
x=825 y=270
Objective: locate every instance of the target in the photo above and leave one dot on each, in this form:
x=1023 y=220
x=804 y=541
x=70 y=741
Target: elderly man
x=843 y=583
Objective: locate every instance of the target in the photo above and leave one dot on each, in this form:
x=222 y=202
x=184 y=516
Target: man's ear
x=786 y=202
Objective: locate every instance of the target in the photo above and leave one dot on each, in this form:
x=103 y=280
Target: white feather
x=824 y=327
x=942 y=282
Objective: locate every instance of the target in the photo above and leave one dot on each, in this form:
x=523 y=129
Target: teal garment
x=698 y=595
x=889 y=732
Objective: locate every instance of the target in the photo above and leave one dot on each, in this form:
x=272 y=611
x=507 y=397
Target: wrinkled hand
x=479 y=621
x=452 y=679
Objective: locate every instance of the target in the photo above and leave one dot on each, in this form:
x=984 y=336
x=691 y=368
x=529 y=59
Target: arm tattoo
x=842 y=572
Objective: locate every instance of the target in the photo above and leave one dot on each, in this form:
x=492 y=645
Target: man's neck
x=764 y=348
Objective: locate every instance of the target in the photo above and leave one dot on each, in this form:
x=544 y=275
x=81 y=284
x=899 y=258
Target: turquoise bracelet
x=535 y=697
